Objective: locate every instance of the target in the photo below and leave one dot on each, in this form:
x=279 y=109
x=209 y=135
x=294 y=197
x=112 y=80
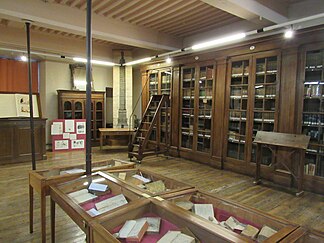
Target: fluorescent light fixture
x=79 y=59
x=23 y=58
x=219 y=41
x=168 y=60
x=138 y=61
x=289 y=34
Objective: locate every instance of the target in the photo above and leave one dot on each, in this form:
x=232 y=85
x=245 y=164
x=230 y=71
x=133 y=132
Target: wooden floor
x=14 y=227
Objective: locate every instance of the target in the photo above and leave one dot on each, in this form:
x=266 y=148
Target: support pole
x=88 y=89
x=31 y=117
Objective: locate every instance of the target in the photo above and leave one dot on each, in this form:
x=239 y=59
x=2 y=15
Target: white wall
x=56 y=75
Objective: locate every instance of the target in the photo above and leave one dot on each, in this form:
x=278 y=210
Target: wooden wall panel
x=14 y=76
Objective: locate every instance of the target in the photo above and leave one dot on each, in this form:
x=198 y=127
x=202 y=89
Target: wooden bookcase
x=312 y=122
x=71 y=105
x=158 y=82
x=252 y=104
x=197 y=88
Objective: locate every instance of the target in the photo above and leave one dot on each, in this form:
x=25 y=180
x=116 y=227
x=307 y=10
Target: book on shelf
x=265 y=233
x=81 y=196
x=250 y=231
x=176 y=237
x=206 y=211
x=156 y=186
x=133 y=230
x=111 y=203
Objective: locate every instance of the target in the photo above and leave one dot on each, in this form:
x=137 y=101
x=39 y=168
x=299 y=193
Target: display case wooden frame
x=171 y=184
x=40 y=180
x=59 y=195
x=226 y=208
x=71 y=105
x=205 y=231
x=303 y=235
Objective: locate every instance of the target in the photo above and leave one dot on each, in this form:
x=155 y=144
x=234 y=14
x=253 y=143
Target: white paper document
x=77 y=144
x=93 y=212
x=61 y=144
x=206 y=211
x=69 y=125
x=81 y=196
x=66 y=135
x=73 y=136
x=98 y=187
x=111 y=203
x=57 y=128
x=81 y=128
x=72 y=171
x=142 y=178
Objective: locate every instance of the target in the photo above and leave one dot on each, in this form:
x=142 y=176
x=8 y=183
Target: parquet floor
x=14 y=221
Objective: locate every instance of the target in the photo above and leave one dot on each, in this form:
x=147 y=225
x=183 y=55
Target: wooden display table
x=297 y=144
x=39 y=180
x=172 y=218
x=126 y=177
x=224 y=208
x=114 y=132
x=78 y=210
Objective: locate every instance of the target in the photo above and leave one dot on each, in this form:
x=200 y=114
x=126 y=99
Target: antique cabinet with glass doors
x=251 y=105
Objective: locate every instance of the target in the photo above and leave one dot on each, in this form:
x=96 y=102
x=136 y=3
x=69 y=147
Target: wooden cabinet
x=312 y=124
x=252 y=104
x=159 y=82
x=196 y=107
x=71 y=105
x=15 y=143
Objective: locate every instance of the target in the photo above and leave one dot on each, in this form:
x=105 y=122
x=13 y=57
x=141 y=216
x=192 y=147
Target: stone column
x=122 y=91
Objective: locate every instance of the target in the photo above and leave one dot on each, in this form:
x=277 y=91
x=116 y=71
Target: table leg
x=52 y=221
x=43 y=215
x=258 y=162
x=101 y=140
x=301 y=173
x=31 y=209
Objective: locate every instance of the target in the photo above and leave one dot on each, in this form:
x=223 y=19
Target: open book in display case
x=224 y=209
x=148 y=182
x=88 y=198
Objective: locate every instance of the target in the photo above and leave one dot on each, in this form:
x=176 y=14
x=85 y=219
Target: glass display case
x=170 y=218
x=303 y=235
x=89 y=197
x=313 y=112
x=39 y=180
x=223 y=209
x=148 y=182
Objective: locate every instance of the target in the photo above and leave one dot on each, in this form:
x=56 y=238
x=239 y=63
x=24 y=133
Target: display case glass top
x=88 y=197
x=170 y=219
x=222 y=209
x=148 y=182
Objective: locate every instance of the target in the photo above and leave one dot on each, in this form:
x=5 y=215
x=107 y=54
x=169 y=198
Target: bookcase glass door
x=205 y=108
x=153 y=84
x=187 y=107
x=78 y=109
x=264 y=113
x=313 y=112
x=165 y=116
x=67 y=110
x=238 y=109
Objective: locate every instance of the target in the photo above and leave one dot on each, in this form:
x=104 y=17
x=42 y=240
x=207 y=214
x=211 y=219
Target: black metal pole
x=31 y=117
x=88 y=89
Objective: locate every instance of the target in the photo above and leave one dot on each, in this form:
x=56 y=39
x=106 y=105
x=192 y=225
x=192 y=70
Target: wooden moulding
x=229 y=208
x=44 y=178
x=170 y=184
x=303 y=235
x=205 y=231
x=59 y=194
